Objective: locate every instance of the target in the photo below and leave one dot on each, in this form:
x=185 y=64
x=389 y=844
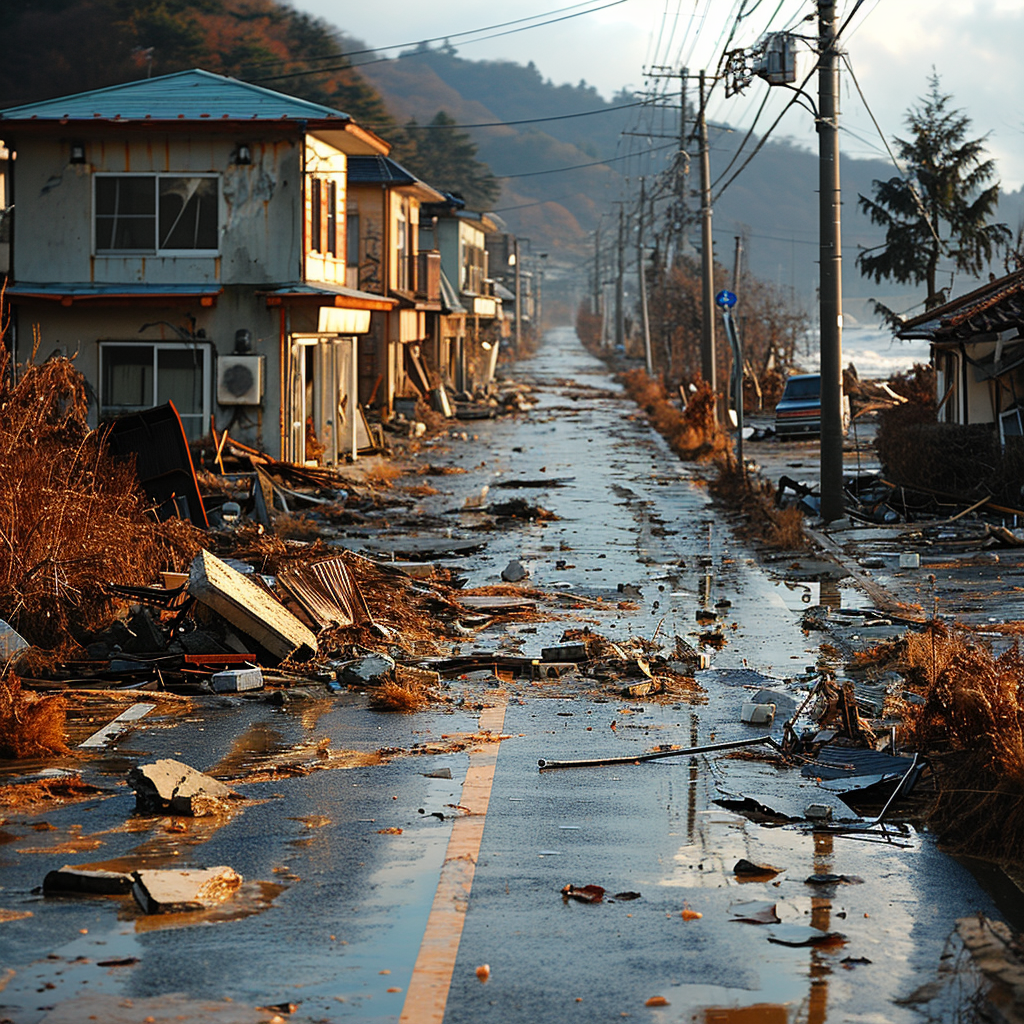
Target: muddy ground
x=376 y=891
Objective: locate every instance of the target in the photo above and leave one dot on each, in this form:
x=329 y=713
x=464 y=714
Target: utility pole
x=620 y=311
x=519 y=296
x=597 y=270
x=707 y=339
x=736 y=265
x=642 y=271
x=831 y=339
x=684 y=169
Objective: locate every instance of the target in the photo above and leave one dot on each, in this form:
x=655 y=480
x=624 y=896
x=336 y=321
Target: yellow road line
x=432 y=976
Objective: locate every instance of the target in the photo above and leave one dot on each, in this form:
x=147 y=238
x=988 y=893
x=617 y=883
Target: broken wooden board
x=249 y=608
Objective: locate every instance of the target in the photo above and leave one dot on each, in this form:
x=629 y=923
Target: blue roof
x=378 y=170
x=187 y=95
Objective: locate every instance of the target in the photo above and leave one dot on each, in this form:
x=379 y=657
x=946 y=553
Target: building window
x=332 y=218
x=352 y=240
x=156 y=213
x=315 y=215
x=134 y=377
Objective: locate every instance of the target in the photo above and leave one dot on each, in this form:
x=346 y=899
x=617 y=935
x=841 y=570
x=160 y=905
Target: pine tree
x=444 y=157
x=942 y=207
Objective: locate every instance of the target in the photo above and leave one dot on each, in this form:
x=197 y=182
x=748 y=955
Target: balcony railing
x=420 y=273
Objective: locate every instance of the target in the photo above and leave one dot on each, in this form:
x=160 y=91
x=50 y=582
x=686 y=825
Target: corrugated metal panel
x=835 y=762
x=186 y=94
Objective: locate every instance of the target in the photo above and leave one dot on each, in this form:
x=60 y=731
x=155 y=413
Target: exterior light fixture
x=242 y=156
x=77 y=153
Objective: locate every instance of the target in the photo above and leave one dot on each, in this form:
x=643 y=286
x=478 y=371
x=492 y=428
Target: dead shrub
x=30 y=726
x=692 y=433
x=405 y=696
x=71 y=516
x=588 y=327
x=971 y=726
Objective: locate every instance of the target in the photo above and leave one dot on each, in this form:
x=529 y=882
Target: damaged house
x=185 y=237
x=385 y=257
x=977 y=347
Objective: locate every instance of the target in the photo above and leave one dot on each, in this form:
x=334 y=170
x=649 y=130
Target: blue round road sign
x=725 y=299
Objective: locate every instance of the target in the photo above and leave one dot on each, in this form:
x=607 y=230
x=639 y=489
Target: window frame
x=203 y=349
x=156 y=176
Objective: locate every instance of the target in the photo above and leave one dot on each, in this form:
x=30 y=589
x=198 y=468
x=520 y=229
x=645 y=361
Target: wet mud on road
x=336 y=902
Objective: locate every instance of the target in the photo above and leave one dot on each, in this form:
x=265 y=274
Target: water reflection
x=821 y=917
x=760 y=1013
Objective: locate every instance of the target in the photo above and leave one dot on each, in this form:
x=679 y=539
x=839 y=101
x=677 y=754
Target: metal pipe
x=656 y=755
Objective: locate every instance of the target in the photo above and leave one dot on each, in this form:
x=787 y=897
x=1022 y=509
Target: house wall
x=327 y=165
x=260 y=234
x=78 y=330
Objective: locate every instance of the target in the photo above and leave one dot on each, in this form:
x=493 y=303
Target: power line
x=529 y=120
x=423 y=42
x=413 y=53
x=576 y=167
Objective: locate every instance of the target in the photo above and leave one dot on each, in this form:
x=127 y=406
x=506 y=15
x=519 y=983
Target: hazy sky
x=975 y=45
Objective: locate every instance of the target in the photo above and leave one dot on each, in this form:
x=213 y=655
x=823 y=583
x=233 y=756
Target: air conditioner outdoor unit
x=240 y=380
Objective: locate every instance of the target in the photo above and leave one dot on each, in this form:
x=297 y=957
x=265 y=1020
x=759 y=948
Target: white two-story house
x=185 y=238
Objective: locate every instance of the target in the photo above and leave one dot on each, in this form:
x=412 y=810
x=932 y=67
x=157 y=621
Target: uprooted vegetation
x=30 y=725
x=693 y=432
x=72 y=517
x=965 y=712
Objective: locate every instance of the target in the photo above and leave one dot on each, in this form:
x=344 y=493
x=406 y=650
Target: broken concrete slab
x=249 y=608
x=172 y=787
x=72 y=881
x=167 y=891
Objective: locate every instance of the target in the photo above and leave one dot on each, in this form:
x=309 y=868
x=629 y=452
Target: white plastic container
x=910 y=560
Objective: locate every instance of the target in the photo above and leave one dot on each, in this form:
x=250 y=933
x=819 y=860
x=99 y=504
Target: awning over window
x=98 y=294
x=323 y=294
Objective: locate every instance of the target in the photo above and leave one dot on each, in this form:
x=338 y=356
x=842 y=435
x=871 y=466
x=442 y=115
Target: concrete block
x=72 y=881
x=237 y=680
x=166 y=892
x=171 y=787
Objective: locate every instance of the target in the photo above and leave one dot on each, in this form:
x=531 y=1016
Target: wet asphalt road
x=331 y=902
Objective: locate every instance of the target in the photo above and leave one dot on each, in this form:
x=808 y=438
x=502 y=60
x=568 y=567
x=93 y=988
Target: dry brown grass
x=30 y=726
x=382 y=475
x=71 y=516
x=780 y=528
x=971 y=726
x=405 y=696
x=420 y=490
x=692 y=433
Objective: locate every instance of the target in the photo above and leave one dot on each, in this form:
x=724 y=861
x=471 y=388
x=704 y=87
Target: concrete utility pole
x=642 y=273
x=707 y=336
x=831 y=486
x=684 y=170
x=597 y=270
x=620 y=310
x=519 y=296
x=736 y=265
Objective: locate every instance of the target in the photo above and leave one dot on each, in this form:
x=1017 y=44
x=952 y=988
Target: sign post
x=725 y=300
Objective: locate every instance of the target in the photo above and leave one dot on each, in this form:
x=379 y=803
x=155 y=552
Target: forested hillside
x=70 y=45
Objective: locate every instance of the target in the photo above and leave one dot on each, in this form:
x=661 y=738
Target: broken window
x=134 y=377
x=156 y=213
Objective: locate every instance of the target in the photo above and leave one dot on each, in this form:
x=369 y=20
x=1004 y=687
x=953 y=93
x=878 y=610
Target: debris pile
x=72 y=515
